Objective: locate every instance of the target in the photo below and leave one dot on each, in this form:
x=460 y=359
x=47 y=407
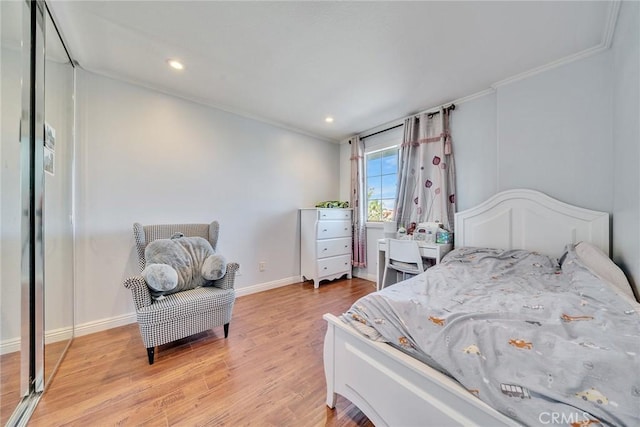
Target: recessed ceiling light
x=329 y=119
x=175 y=64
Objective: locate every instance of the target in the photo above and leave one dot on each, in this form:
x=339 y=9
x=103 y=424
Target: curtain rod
x=381 y=131
x=433 y=113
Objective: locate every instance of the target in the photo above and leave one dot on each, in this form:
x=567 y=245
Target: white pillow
x=599 y=264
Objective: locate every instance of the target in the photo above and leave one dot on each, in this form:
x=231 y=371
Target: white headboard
x=528 y=219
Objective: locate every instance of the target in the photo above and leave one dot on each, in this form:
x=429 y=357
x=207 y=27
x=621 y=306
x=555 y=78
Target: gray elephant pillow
x=181 y=263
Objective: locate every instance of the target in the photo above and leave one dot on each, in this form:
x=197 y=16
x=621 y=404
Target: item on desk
x=402 y=233
x=444 y=236
x=428 y=230
x=411 y=229
x=430 y=237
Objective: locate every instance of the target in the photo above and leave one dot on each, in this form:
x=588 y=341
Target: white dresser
x=325 y=244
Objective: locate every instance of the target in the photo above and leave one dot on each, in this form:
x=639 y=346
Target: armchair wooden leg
x=226 y=330
x=150 y=352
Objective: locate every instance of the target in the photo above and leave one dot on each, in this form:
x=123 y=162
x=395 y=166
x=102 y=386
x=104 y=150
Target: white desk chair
x=402 y=256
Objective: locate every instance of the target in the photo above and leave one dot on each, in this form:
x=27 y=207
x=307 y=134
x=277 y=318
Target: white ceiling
x=294 y=63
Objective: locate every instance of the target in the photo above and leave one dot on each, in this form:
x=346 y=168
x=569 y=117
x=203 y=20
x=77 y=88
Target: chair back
x=145 y=234
x=404 y=255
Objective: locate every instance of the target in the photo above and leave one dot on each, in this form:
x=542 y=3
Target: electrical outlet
x=262 y=265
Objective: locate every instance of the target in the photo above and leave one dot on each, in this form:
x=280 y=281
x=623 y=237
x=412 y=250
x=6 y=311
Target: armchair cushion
x=181 y=263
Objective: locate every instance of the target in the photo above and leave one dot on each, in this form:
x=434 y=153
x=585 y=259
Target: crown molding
x=555 y=64
x=612 y=20
x=199 y=101
x=605 y=43
x=473 y=96
x=400 y=121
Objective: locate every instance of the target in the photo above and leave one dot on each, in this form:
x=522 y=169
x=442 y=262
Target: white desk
x=428 y=250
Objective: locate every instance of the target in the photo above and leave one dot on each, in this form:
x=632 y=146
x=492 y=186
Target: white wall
x=475 y=150
x=554 y=133
x=147 y=157
x=626 y=138
x=571 y=132
x=550 y=132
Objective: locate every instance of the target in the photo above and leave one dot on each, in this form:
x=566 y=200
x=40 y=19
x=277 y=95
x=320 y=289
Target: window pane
x=374 y=211
x=388 y=187
x=388 y=209
x=374 y=190
x=382 y=175
x=390 y=161
x=374 y=164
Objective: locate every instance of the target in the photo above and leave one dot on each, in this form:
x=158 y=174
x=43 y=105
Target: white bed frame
x=394 y=389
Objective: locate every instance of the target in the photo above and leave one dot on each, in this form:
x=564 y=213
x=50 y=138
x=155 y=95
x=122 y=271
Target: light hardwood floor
x=9 y=384
x=10 y=376
x=268 y=372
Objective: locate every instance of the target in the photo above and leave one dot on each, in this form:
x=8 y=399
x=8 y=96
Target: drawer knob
x=324 y=249
x=325 y=268
x=324 y=229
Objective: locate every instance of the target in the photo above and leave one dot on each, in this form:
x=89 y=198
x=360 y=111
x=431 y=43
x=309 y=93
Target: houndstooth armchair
x=184 y=313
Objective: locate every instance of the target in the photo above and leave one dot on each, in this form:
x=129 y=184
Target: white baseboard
x=61 y=334
x=9 y=346
x=12 y=345
x=126 y=319
x=260 y=287
x=365 y=275
x=104 y=324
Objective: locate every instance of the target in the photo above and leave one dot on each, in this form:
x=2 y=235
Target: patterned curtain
x=358 y=203
x=426 y=173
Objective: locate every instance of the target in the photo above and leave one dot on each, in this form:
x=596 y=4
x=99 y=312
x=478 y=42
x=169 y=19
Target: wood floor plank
x=268 y=372
x=9 y=384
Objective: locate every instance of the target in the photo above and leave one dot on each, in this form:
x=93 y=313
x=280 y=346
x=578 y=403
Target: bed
x=398 y=384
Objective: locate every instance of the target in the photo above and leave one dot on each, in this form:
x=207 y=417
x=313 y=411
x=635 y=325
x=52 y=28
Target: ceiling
x=294 y=63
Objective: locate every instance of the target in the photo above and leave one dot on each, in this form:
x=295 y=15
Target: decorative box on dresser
x=325 y=244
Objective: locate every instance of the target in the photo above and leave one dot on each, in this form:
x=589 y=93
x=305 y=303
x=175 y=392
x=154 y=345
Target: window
x=382 y=175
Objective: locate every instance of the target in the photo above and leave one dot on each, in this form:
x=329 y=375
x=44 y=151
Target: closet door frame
x=32 y=183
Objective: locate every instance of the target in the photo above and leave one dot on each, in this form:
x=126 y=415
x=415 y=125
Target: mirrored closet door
x=11 y=15
x=59 y=90
x=36 y=210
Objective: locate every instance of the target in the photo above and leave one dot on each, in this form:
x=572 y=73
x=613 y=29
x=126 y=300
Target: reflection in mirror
x=18 y=355
x=10 y=206
x=58 y=200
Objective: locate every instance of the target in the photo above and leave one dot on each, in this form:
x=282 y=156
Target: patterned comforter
x=543 y=343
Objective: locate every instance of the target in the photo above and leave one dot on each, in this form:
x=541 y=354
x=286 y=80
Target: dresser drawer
x=333 y=265
x=334 y=214
x=333 y=229
x=333 y=247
